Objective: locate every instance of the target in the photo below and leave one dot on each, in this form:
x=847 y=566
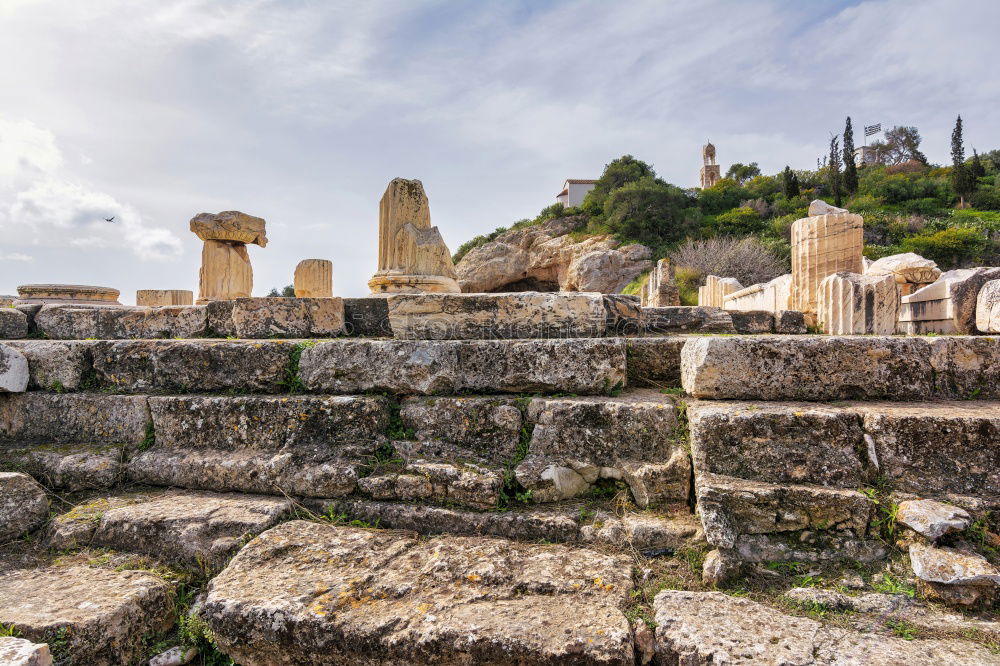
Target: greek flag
x=873 y=129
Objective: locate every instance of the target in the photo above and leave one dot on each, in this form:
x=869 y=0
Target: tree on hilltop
x=617 y=173
x=789 y=183
x=741 y=173
x=900 y=145
x=961 y=176
x=833 y=175
x=850 y=167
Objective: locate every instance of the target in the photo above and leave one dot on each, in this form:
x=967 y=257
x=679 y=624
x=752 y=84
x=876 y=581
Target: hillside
x=908 y=207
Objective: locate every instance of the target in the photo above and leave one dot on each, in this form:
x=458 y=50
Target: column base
x=381 y=285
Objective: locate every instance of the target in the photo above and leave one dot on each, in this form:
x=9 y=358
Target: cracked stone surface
x=305 y=593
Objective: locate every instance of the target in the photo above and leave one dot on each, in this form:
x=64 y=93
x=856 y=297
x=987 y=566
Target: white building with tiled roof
x=573 y=192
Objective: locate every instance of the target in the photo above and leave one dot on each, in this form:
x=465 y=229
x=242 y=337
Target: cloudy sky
x=301 y=112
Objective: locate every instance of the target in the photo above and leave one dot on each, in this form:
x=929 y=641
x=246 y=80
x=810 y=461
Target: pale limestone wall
x=823 y=245
x=714 y=293
x=660 y=290
x=314 y=279
x=773 y=296
x=225 y=272
x=160 y=297
x=854 y=304
x=988 y=307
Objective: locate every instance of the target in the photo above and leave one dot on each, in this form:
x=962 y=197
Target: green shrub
x=950 y=248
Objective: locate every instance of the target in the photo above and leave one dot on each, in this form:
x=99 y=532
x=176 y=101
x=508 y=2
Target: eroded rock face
x=105 y=613
x=545 y=258
x=56 y=365
x=191 y=527
x=655 y=361
x=230 y=225
x=72 y=322
x=21 y=652
x=956 y=576
x=45 y=418
x=23 y=505
x=287 y=317
x=13 y=324
x=13 y=370
x=310 y=593
x=496 y=316
x=703 y=628
x=489 y=426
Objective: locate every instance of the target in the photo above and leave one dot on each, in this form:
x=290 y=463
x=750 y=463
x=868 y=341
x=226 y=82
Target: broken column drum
x=225 y=265
x=314 y=279
x=823 y=244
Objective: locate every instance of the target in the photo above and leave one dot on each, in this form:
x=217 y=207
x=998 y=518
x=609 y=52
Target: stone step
x=309 y=593
x=841 y=367
x=198 y=529
x=775 y=480
x=86 y=614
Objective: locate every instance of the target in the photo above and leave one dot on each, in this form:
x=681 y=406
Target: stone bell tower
x=710 y=171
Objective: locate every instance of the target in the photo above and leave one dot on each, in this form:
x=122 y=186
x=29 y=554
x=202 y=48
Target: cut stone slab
x=21 y=652
x=753 y=321
x=790 y=322
x=532 y=524
x=71 y=322
x=838 y=368
x=988 y=307
x=101 y=614
x=69 y=466
x=230 y=423
x=135 y=366
x=951 y=566
x=489 y=426
x=367 y=317
x=527 y=314
x=583 y=366
x=13 y=324
x=310 y=593
x=643 y=531
x=23 y=505
x=56 y=365
x=287 y=317
x=798 y=443
x=13 y=370
x=68 y=418
x=932 y=519
x=463 y=484
x=190 y=527
x=686 y=319
x=703 y=628
x=624 y=314
x=655 y=362
x=66 y=293
x=937 y=447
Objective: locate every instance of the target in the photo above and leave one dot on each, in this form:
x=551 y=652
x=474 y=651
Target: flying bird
x=110 y=219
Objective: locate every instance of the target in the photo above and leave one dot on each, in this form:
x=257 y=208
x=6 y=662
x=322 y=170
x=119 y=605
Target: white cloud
x=16 y=256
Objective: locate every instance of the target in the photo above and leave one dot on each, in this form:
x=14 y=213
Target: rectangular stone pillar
x=823 y=245
x=716 y=289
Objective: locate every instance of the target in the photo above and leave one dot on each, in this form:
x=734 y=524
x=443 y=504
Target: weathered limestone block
x=948 y=305
x=732 y=509
x=21 y=652
x=69 y=466
x=655 y=362
x=13 y=324
x=368 y=317
x=713 y=293
x=489 y=426
x=70 y=322
x=966 y=367
x=183 y=526
x=808 y=368
x=161 y=297
x=685 y=319
x=701 y=628
x=463 y=484
x=29 y=310
x=287 y=317
x=230 y=225
x=7 y=300
x=988 y=308
x=233 y=423
x=790 y=322
x=77 y=294
x=496 y=316
x=13 y=370
x=412 y=256
x=313 y=278
x=56 y=365
x=823 y=244
x=937 y=447
x=23 y=505
x=225 y=272
x=666 y=483
x=906 y=268
x=958 y=577
x=753 y=321
x=46 y=418
x=853 y=304
x=932 y=519
x=772 y=296
x=624 y=314
x=101 y=615
x=660 y=290
x=353 y=596
x=643 y=530
x=185 y=365
x=778 y=443
x=583 y=366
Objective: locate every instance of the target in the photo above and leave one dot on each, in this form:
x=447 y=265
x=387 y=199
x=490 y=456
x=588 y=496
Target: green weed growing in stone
x=292 y=381
x=150 y=438
x=9 y=631
x=902 y=629
x=889 y=584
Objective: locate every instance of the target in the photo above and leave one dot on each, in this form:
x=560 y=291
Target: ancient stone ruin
x=80 y=294
x=225 y=271
x=660 y=289
x=412 y=256
x=829 y=241
x=160 y=297
x=505 y=478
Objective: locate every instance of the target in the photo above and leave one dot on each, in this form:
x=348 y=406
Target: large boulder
x=545 y=257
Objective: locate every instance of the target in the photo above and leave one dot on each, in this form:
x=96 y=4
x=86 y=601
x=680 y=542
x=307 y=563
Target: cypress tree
x=976 y=167
x=850 y=168
x=789 y=183
x=961 y=177
x=833 y=175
